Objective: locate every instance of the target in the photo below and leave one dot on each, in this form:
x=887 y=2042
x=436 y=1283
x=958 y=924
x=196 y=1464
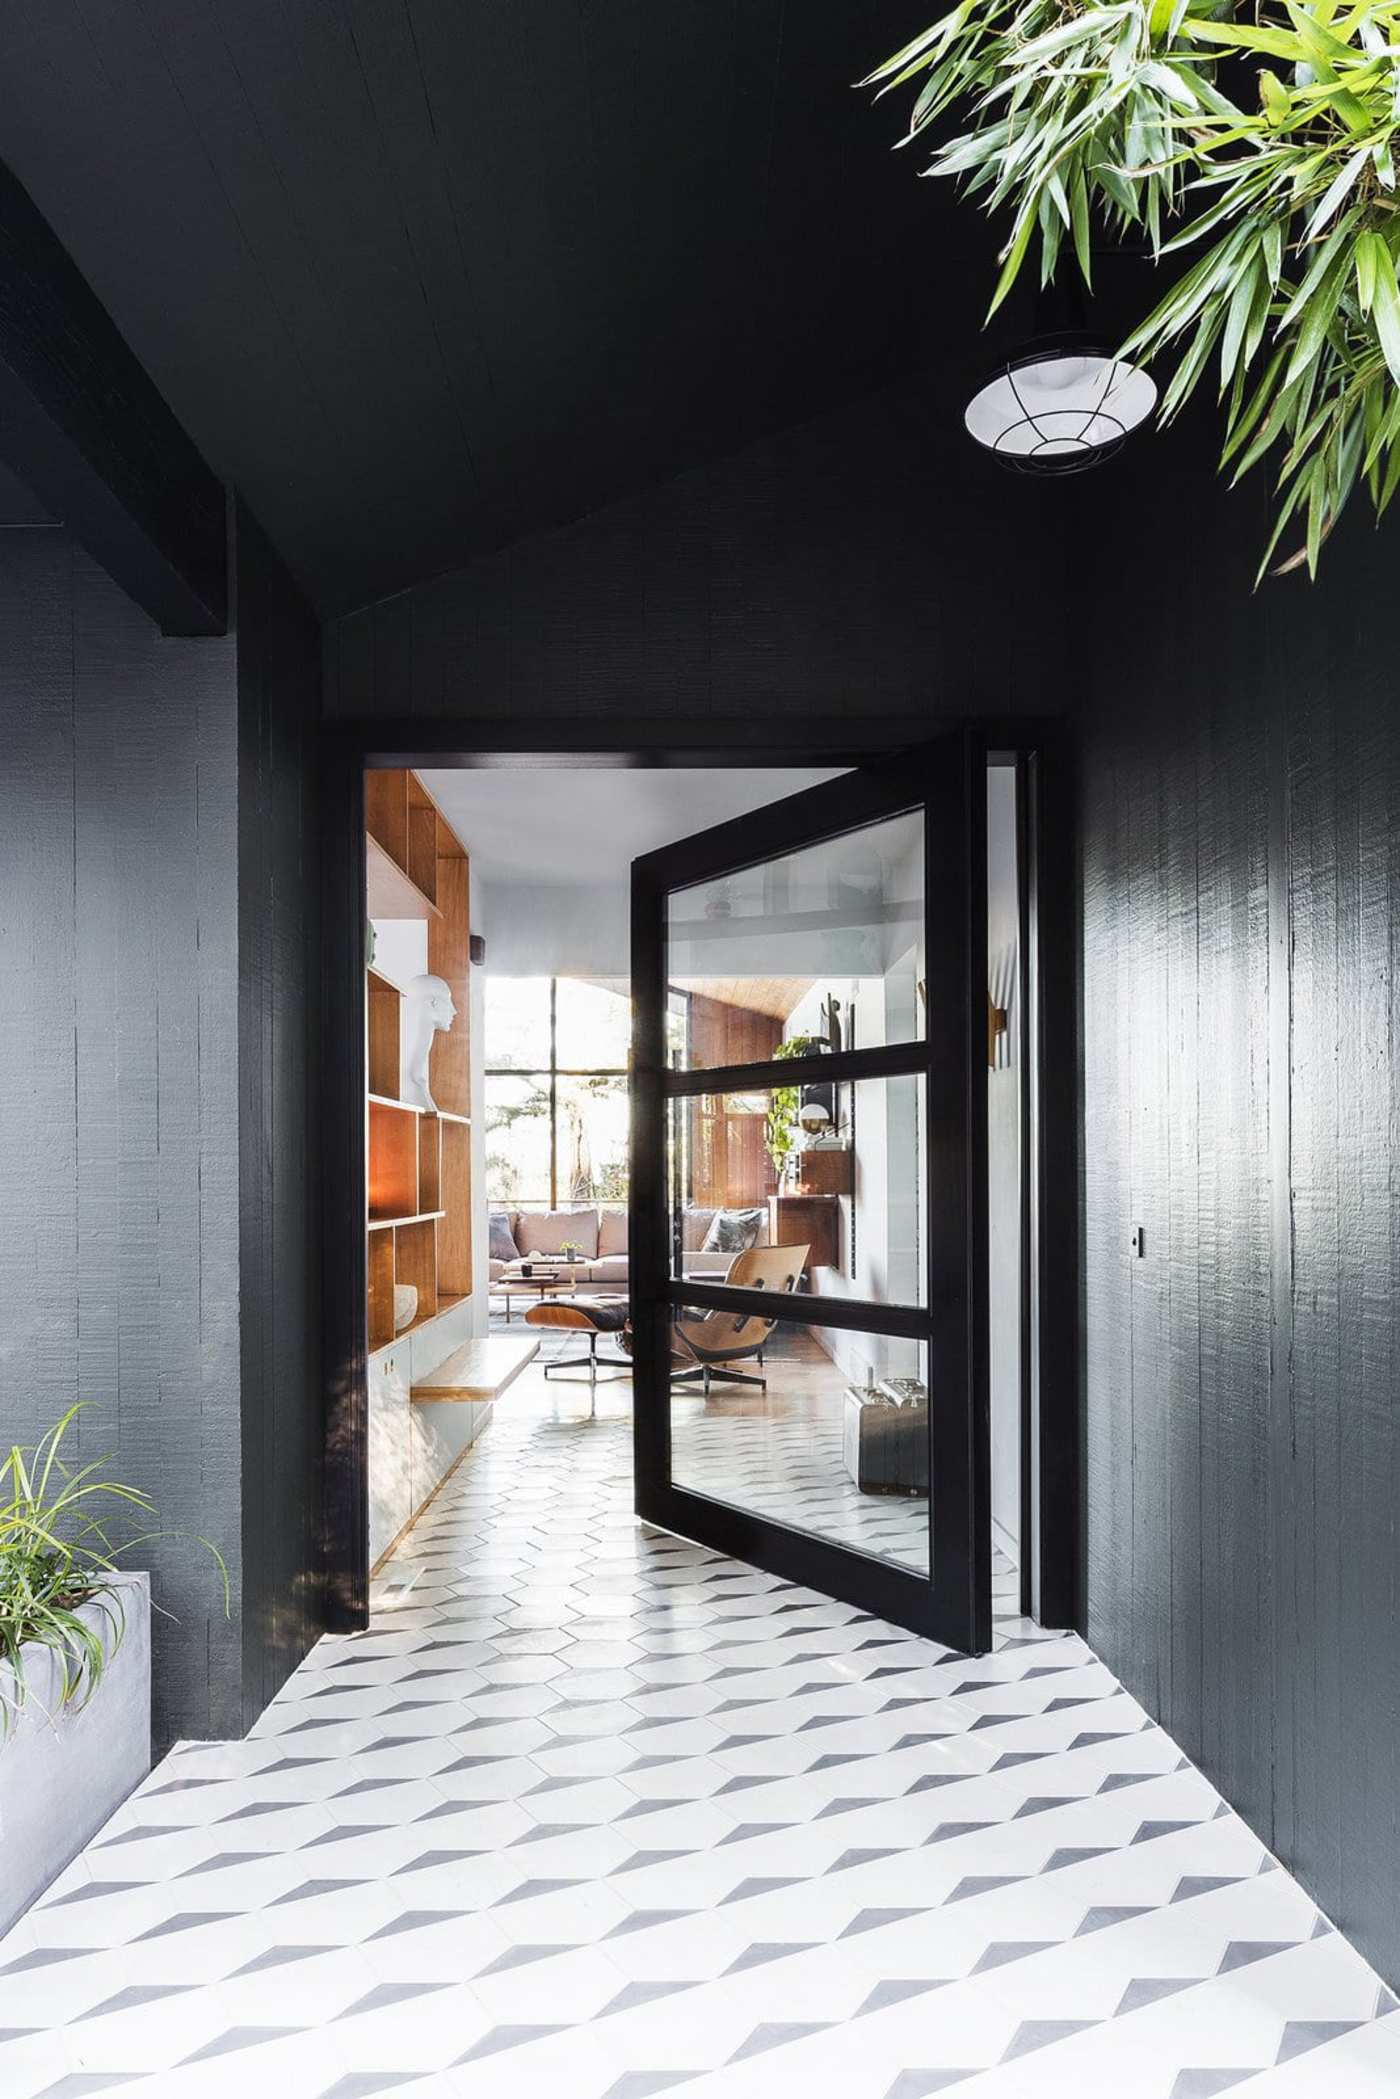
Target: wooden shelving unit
x=418 y=1198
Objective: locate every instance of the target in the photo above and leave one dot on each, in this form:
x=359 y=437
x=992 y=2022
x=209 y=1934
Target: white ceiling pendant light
x=1060 y=404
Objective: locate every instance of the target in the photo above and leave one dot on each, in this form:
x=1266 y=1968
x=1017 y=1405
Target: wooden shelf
x=393 y=1163
x=384 y=1020
x=418 y=1193
x=390 y=890
x=478 y=1372
x=444 y=1305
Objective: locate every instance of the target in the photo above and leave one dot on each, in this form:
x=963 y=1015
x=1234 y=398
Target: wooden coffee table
x=546 y=1282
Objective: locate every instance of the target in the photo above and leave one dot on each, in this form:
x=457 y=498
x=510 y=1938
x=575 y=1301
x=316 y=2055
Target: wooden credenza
x=813 y=1219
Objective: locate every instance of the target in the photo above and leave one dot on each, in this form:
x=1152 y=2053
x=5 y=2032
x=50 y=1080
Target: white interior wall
x=400 y=949
x=885 y=1210
x=556 y=929
x=481 y=903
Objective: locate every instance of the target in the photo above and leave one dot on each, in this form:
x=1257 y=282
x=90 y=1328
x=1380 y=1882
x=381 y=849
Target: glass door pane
x=834 y=1167
x=833 y=1442
x=823 y=944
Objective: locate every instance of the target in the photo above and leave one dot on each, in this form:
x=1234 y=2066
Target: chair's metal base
x=593 y=1363
x=707 y=1372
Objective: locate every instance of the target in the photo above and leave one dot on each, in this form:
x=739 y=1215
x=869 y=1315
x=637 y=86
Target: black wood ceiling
x=422 y=275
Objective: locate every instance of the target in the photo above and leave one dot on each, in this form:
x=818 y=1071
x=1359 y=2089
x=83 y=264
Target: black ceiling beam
x=86 y=430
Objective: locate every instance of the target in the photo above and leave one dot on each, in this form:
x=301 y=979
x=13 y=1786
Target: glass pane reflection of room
x=819 y=1429
x=834 y=1172
x=824 y=943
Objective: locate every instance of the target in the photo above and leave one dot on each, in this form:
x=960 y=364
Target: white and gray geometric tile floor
x=590 y=1812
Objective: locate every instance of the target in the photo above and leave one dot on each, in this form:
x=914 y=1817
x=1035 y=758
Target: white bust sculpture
x=428 y=1008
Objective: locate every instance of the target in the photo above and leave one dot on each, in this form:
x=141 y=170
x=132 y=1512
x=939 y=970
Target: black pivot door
x=808 y=1251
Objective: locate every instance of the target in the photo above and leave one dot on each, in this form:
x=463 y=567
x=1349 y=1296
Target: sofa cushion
x=503 y=1246
x=733 y=1231
x=545 y=1231
x=608 y=1268
x=716 y=1266
x=612 y=1233
x=694 y=1225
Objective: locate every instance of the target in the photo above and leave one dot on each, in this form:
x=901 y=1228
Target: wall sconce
x=1001 y=985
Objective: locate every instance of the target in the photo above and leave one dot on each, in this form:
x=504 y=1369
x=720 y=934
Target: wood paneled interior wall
x=279 y=965
x=119 y=1115
x=729 y=1163
x=1241 y=1003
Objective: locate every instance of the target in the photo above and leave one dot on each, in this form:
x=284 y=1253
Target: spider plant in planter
x=63 y=1531
x=1285 y=188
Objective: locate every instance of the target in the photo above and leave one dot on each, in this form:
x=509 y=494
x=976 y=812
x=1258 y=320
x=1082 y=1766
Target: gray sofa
x=601 y=1237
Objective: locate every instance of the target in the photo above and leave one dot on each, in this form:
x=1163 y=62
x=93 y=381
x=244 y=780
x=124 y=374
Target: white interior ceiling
x=576 y=824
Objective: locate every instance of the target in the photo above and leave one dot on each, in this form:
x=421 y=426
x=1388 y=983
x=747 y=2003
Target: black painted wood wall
x=119 y=1110
x=868 y=568
x=279 y=1009
x=158 y=961
x=1241 y=921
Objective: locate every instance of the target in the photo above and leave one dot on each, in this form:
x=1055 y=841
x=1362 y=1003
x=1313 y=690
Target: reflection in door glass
x=834 y=1169
x=821 y=1430
x=821 y=946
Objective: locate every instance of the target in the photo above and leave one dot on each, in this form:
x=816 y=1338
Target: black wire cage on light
x=1059 y=404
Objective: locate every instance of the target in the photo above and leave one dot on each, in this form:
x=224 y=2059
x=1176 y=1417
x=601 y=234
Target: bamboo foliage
x=1280 y=198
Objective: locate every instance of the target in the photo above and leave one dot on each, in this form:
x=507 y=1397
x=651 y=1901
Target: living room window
x=556 y=1091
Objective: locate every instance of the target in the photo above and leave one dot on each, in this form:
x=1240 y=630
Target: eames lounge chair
x=705 y=1344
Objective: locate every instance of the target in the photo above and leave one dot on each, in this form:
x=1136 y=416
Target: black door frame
x=1051 y=1301
x=952 y=1599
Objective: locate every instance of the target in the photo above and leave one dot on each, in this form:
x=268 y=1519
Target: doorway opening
x=773 y=1420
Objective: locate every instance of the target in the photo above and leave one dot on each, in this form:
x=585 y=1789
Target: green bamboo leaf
x=1272 y=427
x=1080 y=212
x=1278 y=43
x=1337 y=192
x=920 y=45
x=1188 y=372
x=1388 y=431
x=1390 y=483
x=1015 y=256
x=1285 y=512
x=1318 y=316
x=1366 y=262
x=1322 y=262
x=1317 y=514
x=1237 y=320
x=1385 y=311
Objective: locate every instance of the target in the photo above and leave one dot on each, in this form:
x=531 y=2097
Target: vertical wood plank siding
x=1240 y=859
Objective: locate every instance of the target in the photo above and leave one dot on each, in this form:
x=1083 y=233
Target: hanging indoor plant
x=1283 y=188
x=781 y=1130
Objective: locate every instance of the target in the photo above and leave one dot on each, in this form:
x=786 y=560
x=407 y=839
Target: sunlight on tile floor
x=590 y=1811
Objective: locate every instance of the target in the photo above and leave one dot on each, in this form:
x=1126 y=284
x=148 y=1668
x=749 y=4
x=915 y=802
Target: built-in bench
x=478 y=1371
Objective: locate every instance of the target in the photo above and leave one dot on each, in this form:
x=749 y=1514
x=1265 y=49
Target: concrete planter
x=63 y=1772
